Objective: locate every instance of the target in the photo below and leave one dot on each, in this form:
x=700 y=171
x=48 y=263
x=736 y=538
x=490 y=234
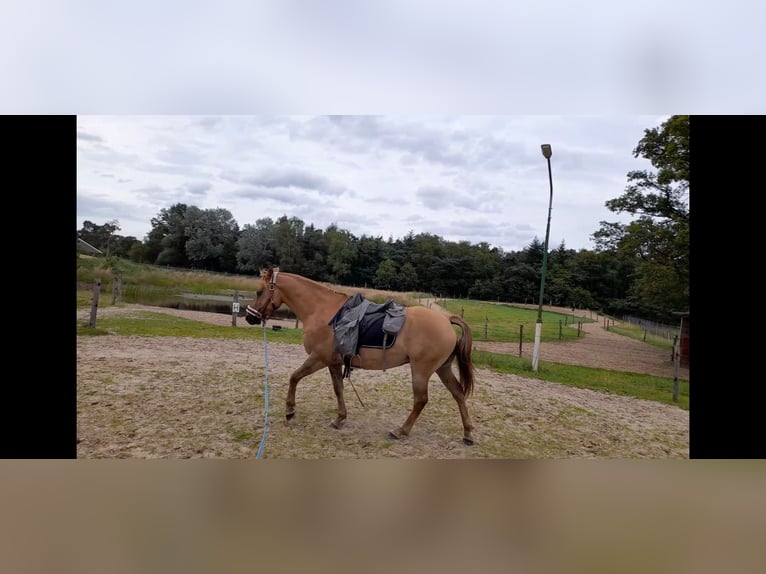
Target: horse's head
x=267 y=299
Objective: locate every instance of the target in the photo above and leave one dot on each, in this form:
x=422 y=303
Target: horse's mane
x=309 y=280
x=317 y=283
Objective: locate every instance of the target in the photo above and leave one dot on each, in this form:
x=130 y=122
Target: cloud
x=84 y=136
x=288 y=178
x=199 y=188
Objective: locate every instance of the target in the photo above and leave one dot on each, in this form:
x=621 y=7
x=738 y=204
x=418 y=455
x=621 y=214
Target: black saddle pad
x=371 y=334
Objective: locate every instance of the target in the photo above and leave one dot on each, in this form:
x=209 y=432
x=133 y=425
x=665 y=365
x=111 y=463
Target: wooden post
x=235 y=309
x=561 y=332
x=486 y=325
x=521 y=336
x=462 y=310
x=94 y=306
x=116 y=289
x=676 y=360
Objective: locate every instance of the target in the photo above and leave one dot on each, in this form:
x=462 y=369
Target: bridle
x=272 y=287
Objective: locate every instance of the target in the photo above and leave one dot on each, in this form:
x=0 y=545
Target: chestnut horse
x=427 y=341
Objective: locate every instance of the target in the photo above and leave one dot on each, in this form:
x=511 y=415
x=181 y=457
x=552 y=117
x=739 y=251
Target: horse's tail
x=463 y=348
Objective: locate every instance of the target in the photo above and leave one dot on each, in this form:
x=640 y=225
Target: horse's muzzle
x=252 y=316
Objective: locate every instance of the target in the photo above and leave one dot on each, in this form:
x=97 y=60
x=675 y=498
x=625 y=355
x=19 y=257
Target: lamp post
x=547 y=152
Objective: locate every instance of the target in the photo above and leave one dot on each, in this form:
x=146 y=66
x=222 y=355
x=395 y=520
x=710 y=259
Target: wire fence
x=669 y=332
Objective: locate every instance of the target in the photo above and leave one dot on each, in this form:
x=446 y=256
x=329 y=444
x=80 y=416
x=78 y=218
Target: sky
x=475 y=178
x=226 y=104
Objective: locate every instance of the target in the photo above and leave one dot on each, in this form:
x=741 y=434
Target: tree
x=314 y=248
x=211 y=235
x=385 y=276
x=256 y=246
x=288 y=233
x=423 y=251
x=341 y=253
x=168 y=235
x=408 y=278
x=100 y=236
x=369 y=256
x=658 y=239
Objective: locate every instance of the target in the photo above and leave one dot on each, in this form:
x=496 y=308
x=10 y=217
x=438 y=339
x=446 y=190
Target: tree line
x=640 y=268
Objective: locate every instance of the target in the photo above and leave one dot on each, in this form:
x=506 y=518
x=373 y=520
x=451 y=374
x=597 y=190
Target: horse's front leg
x=336 y=373
x=311 y=365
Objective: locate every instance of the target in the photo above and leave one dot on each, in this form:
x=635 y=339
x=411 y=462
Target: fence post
x=116 y=289
x=462 y=310
x=676 y=360
x=235 y=309
x=486 y=325
x=561 y=332
x=94 y=305
x=521 y=336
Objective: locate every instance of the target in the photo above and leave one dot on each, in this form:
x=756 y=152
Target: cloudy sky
x=473 y=178
x=449 y=103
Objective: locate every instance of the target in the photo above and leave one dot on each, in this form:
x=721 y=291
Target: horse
x=426 y=340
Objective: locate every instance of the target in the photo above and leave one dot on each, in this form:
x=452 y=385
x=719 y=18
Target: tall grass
x=153 y=285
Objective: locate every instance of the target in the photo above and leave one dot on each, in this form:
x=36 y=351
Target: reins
x=265 y=393
x=357 y=394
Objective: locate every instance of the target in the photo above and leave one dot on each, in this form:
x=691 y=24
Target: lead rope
x=265 y=393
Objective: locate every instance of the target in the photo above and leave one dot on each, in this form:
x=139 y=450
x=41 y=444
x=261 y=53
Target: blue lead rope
x=265 y=393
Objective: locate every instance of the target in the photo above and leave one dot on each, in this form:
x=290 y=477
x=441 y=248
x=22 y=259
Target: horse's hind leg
x=450 y=381
x=336 y=373
x=419 y=400
x=311 y=365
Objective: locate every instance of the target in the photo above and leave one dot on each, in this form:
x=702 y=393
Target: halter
x=272 y=286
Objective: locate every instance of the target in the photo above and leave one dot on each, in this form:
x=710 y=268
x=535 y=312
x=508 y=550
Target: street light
x=547 y=152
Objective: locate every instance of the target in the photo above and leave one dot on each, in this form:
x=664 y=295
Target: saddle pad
x=371 y=335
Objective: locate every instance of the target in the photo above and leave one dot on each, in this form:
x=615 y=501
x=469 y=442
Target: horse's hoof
x=289 y=416
x=335 y=425
x=392 y=434
x=468 y=441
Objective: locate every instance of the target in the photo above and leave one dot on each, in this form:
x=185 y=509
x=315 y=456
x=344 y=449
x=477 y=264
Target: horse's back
x=430 y=327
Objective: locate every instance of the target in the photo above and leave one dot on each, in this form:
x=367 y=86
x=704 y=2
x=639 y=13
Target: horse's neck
x=307 y=298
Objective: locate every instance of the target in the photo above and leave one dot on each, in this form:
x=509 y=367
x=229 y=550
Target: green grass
x=615 y=382
x=151 y=324
x=504 y=322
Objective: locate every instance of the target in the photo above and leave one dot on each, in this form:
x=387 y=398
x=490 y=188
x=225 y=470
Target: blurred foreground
x=382 y=516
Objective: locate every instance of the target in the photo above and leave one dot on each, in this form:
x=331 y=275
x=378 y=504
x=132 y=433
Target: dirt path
x=170 y=397
x=599 y=348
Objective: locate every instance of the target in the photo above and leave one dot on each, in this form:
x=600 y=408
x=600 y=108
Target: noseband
x=255 y=312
